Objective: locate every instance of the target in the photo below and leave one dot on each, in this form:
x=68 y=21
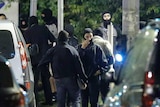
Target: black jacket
x=93 y=59
x=41 y=36
x=65 y=61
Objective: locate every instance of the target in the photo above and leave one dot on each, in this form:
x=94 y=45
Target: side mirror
x=33 y=49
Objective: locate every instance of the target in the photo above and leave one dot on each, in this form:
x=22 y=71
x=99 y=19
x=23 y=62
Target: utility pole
x=33 y=7
x=110 y=36
x=60 y=15
x=130 y=20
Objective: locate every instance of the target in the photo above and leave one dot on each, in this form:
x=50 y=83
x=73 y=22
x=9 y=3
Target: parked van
x=13 y=47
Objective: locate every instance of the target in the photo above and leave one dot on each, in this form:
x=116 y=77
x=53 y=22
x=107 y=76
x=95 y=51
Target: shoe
x=54 y=99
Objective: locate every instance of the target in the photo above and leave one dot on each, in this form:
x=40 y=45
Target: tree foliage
x=87 y=13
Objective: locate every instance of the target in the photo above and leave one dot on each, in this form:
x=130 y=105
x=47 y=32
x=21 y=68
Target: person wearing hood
x=107 y=49
x=50 y=21
x=72 y=39
x=66 y=64
x=41 y=36
x=23 y=24
x=94 y=60
x=106 y=21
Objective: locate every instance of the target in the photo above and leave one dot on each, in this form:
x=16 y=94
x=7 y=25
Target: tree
x=87 y=13
x=80 y=13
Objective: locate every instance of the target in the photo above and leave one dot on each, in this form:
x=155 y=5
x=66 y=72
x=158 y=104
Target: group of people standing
x=90 y=60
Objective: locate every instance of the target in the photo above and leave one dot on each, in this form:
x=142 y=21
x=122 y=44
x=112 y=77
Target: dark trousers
x=36 y=73
x=45 y=75
x=104 y=88
x=67 y=87
x=91 y=93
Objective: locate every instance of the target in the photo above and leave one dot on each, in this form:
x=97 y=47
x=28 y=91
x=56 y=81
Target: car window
x=5 y=76
x=155 y=60
x=6 y=44
x=135 y=64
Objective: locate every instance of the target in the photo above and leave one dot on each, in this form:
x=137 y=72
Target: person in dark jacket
x=41 y=36
x=50 y=21
x=66 y=64
x=105 y=25
x=94 y=60
x=107 y=49
x=73 y=41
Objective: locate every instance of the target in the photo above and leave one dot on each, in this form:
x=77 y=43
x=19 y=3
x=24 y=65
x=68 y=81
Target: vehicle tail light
x=147 y=97
x=24 y=61
x=23 y=55
x=27 y=85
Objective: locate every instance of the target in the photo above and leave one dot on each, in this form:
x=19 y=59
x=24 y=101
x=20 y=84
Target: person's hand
x=85 y=43
x=28 y=45
x=54 y=44
x=97 y=73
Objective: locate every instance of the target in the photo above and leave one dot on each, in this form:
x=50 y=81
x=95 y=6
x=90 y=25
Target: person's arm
x=101 y=59
x=46 y=58
x=108 y=53
x=79 y=66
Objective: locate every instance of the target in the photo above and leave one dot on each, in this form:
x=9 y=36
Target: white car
x=13 y=47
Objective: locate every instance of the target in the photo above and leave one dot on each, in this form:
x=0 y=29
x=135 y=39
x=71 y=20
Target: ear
x=85 y=37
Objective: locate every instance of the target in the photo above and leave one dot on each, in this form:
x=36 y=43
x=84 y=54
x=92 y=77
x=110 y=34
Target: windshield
x=135 y=64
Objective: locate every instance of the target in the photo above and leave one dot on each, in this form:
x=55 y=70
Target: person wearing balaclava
x=106 y=17
x=50 y=21
x=40 y=36
x=106 y=21
x=93 y=59
x=23 y=25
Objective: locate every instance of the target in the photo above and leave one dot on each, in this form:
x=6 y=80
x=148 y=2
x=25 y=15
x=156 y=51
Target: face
x=88 y=36
x=42 y=15
x=106 y=16
x=2 y=17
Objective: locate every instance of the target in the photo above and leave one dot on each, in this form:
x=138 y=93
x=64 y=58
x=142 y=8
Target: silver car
x=139 y=79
